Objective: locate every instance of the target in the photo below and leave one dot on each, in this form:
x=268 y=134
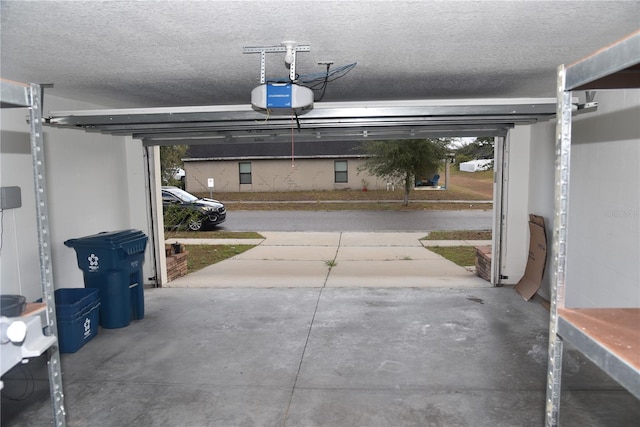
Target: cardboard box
x=534 y=271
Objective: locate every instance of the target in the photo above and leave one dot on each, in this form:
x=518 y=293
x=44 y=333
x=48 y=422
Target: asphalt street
x=357 y=220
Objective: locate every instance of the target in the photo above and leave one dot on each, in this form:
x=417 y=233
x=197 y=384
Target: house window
x=245 y=172
x=340 y=171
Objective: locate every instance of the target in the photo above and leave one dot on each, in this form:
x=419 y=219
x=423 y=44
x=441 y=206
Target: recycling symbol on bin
x=87 y=327
x=93 y=262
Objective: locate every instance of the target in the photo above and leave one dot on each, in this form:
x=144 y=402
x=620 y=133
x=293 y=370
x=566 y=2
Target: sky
x=459 y=142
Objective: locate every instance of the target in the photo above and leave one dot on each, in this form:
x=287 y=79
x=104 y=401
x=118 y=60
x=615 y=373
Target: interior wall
x=92 y=186
x=604 y=211
x=604 y=204
x=18 y=237
x=138 y=204
x=542 y=188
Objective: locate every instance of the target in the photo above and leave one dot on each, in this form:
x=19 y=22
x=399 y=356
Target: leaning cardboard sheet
x=533 y=273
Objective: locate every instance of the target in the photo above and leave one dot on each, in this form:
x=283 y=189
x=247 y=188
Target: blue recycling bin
x=112 y=263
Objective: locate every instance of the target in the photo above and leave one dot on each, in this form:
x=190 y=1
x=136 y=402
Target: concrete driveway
x=335 y=260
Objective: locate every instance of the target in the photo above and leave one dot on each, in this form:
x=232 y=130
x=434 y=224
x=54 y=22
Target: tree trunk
x=407 y=189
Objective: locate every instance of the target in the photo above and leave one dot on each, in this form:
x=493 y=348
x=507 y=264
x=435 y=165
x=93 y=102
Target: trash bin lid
x=109 y=239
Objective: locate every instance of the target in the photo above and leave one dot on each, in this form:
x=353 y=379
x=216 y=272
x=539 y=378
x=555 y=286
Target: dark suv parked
x=182 y=209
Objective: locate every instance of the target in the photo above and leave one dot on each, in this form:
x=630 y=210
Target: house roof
x=274 y=150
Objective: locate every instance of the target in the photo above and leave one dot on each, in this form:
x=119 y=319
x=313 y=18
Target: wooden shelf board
x=617 y=329
x=33 y=308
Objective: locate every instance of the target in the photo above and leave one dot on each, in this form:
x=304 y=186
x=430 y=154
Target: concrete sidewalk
x=333 y=259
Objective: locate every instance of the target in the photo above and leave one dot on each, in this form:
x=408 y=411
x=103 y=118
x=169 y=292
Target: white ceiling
x=178 y=53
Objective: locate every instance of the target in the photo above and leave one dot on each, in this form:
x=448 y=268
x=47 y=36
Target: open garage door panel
x=339 y=121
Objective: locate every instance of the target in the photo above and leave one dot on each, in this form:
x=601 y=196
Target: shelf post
x=46 y=274
x=559 y=247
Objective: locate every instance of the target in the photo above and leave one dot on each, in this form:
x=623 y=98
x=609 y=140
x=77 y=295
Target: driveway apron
x=334 y=259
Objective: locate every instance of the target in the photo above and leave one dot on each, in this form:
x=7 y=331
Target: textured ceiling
x=178 y=53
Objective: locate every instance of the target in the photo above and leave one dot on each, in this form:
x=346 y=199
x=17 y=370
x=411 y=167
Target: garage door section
x=336 y=121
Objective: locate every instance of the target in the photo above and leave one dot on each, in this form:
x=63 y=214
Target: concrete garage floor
x=326 y=356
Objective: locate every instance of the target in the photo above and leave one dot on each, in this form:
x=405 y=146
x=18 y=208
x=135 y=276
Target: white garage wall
x=604 y=204
x=94 y=181
x=604 y=213
x=18 y=239
x=139 y=203
x=542 y=188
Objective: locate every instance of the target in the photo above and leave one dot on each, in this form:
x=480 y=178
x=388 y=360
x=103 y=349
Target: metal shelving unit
x=607 y=336
x=17 y=95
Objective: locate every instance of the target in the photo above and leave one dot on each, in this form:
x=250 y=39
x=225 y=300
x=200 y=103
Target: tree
x=404 y=159
x=170 y=161
x=480 y=148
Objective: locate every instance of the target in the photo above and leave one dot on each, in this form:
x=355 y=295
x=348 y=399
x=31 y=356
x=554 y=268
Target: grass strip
x=359 y=206
x=201 y=256
x=464 y=256
x=213 y=234
x=459 y=235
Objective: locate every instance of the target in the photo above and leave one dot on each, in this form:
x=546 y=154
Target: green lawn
x=459 y=235
x=213 y=234
x=201 y=256
x=464 y=256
